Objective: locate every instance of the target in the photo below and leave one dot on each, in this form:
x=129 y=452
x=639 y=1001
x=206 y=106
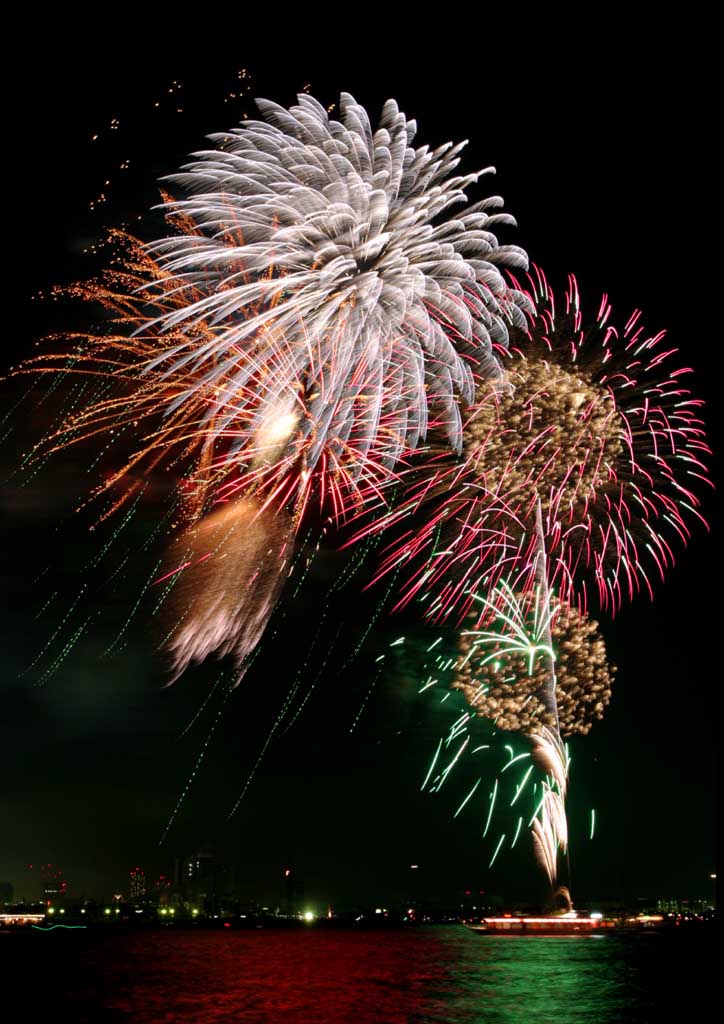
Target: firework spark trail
x=45 y=606
x=521 y=786
x=55 y=633
x=197 y=765
x=365 y=699
x=316 y=680
x=493 y=796
x=121 y=633
x=432 y=765
x=288 y=701
x=497 y=851
x=368 y=629
x=274 y=728
x=202 y=706
x=67 y=648
x=517 y=833
x=467 y=798
x=115 y=534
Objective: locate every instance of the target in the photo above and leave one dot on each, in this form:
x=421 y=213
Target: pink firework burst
x=592 y=443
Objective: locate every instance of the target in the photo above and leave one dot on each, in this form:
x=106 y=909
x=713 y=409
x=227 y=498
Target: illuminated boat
x=20 y=919
x=554 y=924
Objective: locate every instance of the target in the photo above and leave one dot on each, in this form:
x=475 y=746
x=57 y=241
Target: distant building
x=199 y=878
x=6 y=893
x=683 y=906
x=137 y=886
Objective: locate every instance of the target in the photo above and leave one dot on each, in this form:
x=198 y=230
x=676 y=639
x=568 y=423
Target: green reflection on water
x=511 y=979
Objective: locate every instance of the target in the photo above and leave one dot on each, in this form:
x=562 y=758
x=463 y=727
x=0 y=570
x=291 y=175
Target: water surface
x=313 y=976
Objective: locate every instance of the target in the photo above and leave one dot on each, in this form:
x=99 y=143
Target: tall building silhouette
x=137 y=886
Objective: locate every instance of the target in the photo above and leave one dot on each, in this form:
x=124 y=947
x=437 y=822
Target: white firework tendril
x=549 y=827
x=325 y=281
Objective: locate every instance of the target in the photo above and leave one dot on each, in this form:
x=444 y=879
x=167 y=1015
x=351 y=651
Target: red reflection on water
x=305 y=977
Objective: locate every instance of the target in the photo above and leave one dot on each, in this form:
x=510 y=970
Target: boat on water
x=570 y=923
x=553 y=924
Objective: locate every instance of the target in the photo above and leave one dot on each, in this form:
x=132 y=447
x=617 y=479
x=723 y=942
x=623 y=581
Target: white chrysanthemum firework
x=324 y=295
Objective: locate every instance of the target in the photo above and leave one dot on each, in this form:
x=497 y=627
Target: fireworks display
x=597 y=429
x=580 y=464
x=501 y=673
x=531 y=782
x=312 y=288
x=305 y=322
x=324 y=333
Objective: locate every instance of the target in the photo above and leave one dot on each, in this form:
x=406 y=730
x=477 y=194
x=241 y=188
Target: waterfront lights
x=308 y=915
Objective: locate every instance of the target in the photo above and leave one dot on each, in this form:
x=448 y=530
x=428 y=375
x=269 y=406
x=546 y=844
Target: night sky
x=603 y=155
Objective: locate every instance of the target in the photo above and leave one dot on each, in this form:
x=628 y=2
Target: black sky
x=602 y=146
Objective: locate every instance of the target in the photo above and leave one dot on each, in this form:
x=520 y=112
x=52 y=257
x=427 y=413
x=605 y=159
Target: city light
x=308 y=915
